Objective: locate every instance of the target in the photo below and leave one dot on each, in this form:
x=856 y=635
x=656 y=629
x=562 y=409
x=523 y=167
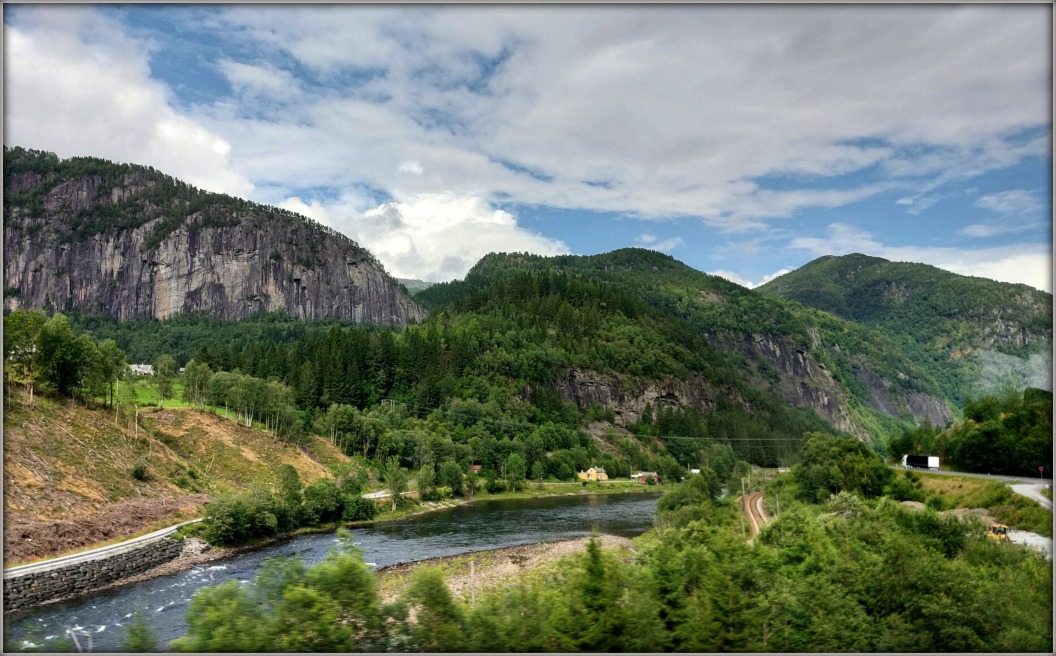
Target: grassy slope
x=995 y=496
x=68 y=479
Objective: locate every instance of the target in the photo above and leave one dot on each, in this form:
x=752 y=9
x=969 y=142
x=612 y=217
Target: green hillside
x=962 y=329
x=874 y=373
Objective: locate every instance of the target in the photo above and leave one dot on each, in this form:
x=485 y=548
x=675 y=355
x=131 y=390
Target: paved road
x=384 y=494
x=92 y=554
x=1033 y=491
x=994 y=477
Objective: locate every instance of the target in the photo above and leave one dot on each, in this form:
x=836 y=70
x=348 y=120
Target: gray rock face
x=886 y=398
x=242 y=262
x=802 y=381
x=627 y=400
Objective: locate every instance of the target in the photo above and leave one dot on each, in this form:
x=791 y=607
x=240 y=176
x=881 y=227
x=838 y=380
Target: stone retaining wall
x=39 y=587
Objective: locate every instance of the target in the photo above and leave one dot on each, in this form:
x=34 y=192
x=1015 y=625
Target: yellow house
x=593 y=474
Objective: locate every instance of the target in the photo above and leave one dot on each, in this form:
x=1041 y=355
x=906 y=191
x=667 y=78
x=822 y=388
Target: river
x=486 y=525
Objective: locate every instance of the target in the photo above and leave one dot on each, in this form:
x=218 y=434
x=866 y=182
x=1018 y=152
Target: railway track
x=752 y=506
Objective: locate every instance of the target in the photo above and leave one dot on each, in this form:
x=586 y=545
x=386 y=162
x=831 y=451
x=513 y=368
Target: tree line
x=846 y=570
x=1009 y=433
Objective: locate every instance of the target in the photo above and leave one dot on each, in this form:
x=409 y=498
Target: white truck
x=929 y=463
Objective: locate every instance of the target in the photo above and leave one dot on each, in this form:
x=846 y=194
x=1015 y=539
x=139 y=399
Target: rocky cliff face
x=158 y=255
x=804 y=382
x=801 y=381
x=628 y=400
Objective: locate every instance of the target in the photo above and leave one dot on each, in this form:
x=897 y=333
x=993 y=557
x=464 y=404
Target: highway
x=1029 y=480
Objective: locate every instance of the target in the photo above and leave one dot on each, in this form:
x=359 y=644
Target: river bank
x=197 y=552
x=470 y=574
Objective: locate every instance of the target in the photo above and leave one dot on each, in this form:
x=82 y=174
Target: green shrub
x=1024 y=514
x=358 y=509
x=232 y=520
x=902 y=489
x=139 y=471
x=432 y=494
x=322 y=503
x=935 y=502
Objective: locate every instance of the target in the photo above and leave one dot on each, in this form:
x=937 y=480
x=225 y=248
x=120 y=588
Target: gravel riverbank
x=471 y=573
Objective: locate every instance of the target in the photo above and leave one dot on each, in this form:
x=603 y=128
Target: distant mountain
x=130 y=242
x=414 y=285
x=854 y=377
x=974 y=334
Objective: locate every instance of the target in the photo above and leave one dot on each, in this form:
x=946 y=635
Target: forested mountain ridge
x=974 y=334
x=130 y=242
x=854 y=377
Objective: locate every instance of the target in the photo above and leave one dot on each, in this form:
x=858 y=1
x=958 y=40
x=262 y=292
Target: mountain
x=975 y=335
x=855 y=378
x=129 y=242
x=413 y=285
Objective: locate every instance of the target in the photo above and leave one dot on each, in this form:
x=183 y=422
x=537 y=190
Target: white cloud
x=259 y=81
x=574 y=99
x=651 y=242
x=435 y=237
x=738 y=115
x=411 y=167
x=1017 y=210
x=1016 y=202
x=75 y=85
x=1029 y=264
x=745 y=282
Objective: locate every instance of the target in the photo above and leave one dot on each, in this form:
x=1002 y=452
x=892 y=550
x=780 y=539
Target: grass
x=1006 y=507
x=1024 y=514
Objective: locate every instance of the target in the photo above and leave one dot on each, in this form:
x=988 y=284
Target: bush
x=494 y=486
x=1024 y=514
x=935 y=502
x=432 y=494
x=902 y=489
x=139 y=471
x=322 y=503
x=233 y=520
x=358 y=509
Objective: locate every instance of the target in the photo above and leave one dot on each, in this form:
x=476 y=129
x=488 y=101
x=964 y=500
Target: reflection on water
x=163 y=601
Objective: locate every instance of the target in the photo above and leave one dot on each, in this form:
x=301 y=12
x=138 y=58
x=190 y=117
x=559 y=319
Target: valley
x=295 y=389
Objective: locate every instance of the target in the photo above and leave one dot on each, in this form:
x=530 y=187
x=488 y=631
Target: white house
x=142 y=369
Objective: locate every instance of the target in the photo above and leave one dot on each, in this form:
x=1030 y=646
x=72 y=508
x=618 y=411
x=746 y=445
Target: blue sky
x=744 y=141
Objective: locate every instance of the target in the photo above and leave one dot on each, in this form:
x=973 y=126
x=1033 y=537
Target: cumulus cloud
x=76 y=85
x=573 y=101
x=1029 y=264
x=745 y=282
x=651 y=112
x=259 y=81
x=435 y=237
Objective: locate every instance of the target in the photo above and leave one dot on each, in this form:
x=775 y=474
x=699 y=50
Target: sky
x=744 y=141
